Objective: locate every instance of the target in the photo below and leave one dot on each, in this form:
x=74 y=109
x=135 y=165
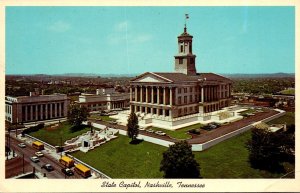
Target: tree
x=267 y=150
x=132 y=126
x=179 y=162
x=77 y=114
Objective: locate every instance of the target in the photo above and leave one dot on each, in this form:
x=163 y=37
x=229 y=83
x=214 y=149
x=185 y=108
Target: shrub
x=33 y=129
x=195 y=131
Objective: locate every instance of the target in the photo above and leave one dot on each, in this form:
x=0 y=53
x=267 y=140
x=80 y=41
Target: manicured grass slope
x=53 y=136
x=120 y=159
x=229 y=159
x=288 y=118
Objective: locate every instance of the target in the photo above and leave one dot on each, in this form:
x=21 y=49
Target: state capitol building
x=182 y=97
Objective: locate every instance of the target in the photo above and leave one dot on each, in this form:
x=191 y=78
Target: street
x=28 y=152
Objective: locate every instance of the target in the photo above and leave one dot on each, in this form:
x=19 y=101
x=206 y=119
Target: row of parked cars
x=211 y=126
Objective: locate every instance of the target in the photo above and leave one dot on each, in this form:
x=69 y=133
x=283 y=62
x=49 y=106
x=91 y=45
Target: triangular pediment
x=151 y=77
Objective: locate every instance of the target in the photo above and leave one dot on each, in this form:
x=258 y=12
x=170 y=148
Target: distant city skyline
x=134 y=40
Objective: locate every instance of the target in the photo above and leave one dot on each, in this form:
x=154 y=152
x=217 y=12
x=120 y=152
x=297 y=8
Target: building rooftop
x=176 y=77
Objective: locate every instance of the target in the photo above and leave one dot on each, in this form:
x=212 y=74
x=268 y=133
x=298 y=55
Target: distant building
x=104 y=99
x=35 y=107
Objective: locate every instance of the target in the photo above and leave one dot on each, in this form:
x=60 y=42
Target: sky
x=134 y=40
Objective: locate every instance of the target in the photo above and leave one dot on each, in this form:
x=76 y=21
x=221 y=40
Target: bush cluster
x=33 y=129
x=195 y=131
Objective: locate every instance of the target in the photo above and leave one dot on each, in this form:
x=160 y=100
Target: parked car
x=113 y=122
x=160 y=133
x=48 y=167
x=22 y=145
x=39 y=154
x=34 y=159
x=150 y=130
x=67 y=171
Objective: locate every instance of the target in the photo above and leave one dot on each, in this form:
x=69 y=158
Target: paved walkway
x=206 y=136
x=231 y=127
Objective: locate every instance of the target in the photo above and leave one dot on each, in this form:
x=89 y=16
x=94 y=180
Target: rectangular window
x=179 y=100
x=181 y=48
x=185 y=99
x=191 y=89
x=180 y=61
x=179 y=90
x=191 y=98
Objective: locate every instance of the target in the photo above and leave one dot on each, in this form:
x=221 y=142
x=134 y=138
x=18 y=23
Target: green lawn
x=288 y=91
x=119 y=159
x=103 y=118
x=180 y=133
x=244 y=113
x=53 y=136
x=229 y=159
x=288 y=118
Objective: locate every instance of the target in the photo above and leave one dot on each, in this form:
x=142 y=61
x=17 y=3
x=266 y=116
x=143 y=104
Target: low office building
x=36 y=107
x=104 y=99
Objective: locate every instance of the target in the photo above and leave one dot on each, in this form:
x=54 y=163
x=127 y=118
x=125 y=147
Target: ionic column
x=152 y=110
x=36 y=112
x=164 y=112
x=55 y=109
x=135 y=93
x=146 y=94
x=42 y=117
x=152 y=95
x=31 y=112
x=135 y=108
x=50 y=110
x=130 y=94
x=210 y=92
x=59 y=106
x=157 y=95
x=141 y=94
x=164 y=96
x=213 y=93
x=46 y=111
x=202 y=94
x=171 y=96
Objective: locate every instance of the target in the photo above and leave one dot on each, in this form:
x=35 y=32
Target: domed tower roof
x=185 y=35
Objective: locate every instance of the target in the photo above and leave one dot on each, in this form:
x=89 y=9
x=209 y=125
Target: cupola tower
x=185 y=59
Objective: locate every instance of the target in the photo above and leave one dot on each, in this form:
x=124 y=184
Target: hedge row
x=33 y=129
